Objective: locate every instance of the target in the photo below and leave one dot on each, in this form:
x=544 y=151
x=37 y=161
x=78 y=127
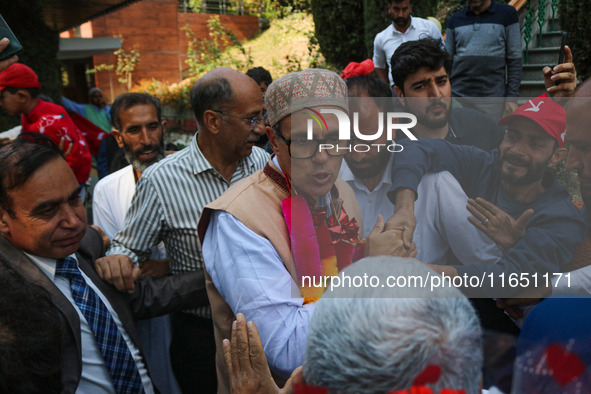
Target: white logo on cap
x=563 y=136
x=534 y=108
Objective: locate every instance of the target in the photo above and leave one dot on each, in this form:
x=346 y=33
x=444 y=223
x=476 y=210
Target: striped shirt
x=167 y=205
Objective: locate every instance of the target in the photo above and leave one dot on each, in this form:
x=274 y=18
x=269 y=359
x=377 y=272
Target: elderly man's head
x=41 y=212
x=578 y=135
x=294 y=103
x=374 y=339
x=229 y=108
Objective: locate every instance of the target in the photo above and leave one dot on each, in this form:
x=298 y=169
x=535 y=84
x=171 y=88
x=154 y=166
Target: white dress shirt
x=111 y=201
x=95 y=376
x=372 y=202
x=389 y=39
x=250 y=276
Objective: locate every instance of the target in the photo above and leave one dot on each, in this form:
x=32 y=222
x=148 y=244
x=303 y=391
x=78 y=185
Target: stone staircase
x=532 y=79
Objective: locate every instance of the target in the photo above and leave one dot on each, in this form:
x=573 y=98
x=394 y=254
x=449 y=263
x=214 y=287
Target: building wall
x=243 y=27
x=154 y=27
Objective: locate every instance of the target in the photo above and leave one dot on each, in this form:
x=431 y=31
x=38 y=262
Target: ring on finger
x=485 y=222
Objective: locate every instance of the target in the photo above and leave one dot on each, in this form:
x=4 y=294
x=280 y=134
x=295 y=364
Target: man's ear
x=558 y=155
x=117 y=134
x=212 y=121
x=400 y=94
x=4 y=219
x=273 y=138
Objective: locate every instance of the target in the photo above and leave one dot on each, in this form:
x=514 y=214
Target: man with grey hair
x=374 y=339
x=378 y=339
x=169 y=199
x=264 y=236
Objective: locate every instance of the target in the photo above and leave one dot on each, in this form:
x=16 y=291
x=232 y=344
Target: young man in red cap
x=506 y=183
x=19 y=91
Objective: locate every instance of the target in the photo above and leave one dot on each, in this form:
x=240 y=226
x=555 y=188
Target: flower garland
x=321 y=246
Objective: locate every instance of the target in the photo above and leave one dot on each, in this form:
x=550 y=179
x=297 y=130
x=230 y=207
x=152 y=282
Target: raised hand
x=564 y=73
x=497 y=224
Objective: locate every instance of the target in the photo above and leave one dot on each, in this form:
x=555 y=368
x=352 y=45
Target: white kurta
x=110 y=202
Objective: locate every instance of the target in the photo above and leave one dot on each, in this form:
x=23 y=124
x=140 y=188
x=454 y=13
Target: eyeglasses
x=252 y=122
x=305 y=149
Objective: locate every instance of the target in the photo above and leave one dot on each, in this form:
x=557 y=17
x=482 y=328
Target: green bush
x=376 y=19
x=205 y=54
x=346 y=29
x=340 y=30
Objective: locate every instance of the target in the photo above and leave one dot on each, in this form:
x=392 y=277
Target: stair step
x=531 y=88
x=532 y=72
x=550 y=39
x=547 y=56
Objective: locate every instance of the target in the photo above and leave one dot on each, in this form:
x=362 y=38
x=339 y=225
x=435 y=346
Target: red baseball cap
x=18 y=76
x=548 y=114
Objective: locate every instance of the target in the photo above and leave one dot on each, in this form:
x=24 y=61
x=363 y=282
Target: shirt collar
x=347 y=176
x=47 y=265
x=412 y=26
x=200 y=163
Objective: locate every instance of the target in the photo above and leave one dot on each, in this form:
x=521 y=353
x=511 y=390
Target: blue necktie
x=109 y=340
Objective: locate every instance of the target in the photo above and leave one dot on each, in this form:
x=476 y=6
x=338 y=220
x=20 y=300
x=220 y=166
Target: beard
x=535 y=172
x=400 y=22
x=376 y=165
x=424 y=118
x=133 y=157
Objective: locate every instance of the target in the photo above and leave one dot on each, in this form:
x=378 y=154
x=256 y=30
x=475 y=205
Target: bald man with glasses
x=169 y=199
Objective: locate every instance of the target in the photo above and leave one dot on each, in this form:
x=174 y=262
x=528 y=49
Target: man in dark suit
x=46 y=240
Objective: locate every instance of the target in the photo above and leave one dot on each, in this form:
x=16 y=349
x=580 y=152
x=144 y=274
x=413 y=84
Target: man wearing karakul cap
x=266 y=232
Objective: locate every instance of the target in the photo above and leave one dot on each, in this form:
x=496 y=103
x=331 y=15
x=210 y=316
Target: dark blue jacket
x=554 y=230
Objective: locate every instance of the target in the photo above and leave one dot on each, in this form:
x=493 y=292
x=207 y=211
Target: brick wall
x=155 y=27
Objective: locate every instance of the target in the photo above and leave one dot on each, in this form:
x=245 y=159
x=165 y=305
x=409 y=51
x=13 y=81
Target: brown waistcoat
x=256 y=202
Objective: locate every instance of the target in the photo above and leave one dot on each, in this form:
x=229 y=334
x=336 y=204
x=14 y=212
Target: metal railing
x=536 y=14
x=223 y=7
